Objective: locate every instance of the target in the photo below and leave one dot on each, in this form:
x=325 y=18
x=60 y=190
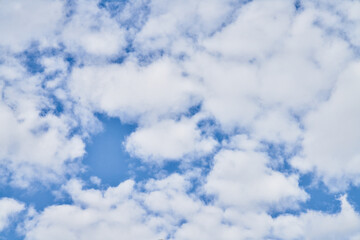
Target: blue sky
x=179 y=120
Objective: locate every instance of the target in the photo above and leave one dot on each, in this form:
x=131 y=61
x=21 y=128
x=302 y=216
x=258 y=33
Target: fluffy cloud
x=164 y=209
x=279 y=73
x=290 y=67
x=92 y=30
x=330 y=140
x=241 y=179
x=130 y=91
x=169 y=139
x=22 y=22
x=230 y=100
x=255 y=33
x=344 y=225
x=116 y=212
x=34 y=138
x=179 y=20
x=8 y=208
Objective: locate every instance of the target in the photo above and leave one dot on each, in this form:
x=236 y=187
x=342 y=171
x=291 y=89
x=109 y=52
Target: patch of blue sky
x=210 y=126
x=147 y=58
x=193 y=109
x=171 y=234
x=280 y=153
x=205 y=166
x=298 y=5
x=37 y=196
x=10 y=232
x=56 y=107
x=70 y=6
x=142 y=171
x=353 y=196
x=135 y=17
x=30 y=59
x=118 y=59
x=71 y=61
x=106 y=157
x=320 y=198
x=114 y=7
x=51 y=76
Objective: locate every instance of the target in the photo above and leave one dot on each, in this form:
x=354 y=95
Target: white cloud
x=179 y=20
x=317 y=225
x=165 y=210
x=262 y=71
x=8 y=208
x=258 y=31
x=287 y=68
x=33 y=145
x=231 y=100
x=95 y=180
x=116 y=212
x=169 y=139
x=331 y=137
x=215 y=223
x=131 y=92
x=93 y=30
x=276 y=126
x=169 y=198
x=126 y=221
x=306 y=66
x=242 y=179
x=22 y=22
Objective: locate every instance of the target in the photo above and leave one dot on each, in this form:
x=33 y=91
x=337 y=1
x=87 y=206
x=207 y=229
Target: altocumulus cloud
x=246 y=98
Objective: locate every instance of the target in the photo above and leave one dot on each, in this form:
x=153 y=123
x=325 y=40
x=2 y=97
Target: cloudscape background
x=179 y=120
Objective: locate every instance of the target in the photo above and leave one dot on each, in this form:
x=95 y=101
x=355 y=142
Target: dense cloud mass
x=246 y=98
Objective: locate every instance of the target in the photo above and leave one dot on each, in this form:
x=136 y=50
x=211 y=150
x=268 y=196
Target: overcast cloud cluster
x=216 y=86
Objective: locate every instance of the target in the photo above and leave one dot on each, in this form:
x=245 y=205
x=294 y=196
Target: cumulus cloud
x=116 y=212
x=134 y=92
x=241 y=179
x=33 y=136
x=179 y=20
x=170 y=139
x=22 y=22
x=330 y=140
x=164 y=209
x=317 y=225
x=93 y=30
x=256 y=33
x=284 y=71
x=8 y=208
x=259 y=74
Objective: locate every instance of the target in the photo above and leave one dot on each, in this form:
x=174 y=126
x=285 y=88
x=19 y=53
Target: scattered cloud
x=171 y=140
x=247 y=97
x=8 y=208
